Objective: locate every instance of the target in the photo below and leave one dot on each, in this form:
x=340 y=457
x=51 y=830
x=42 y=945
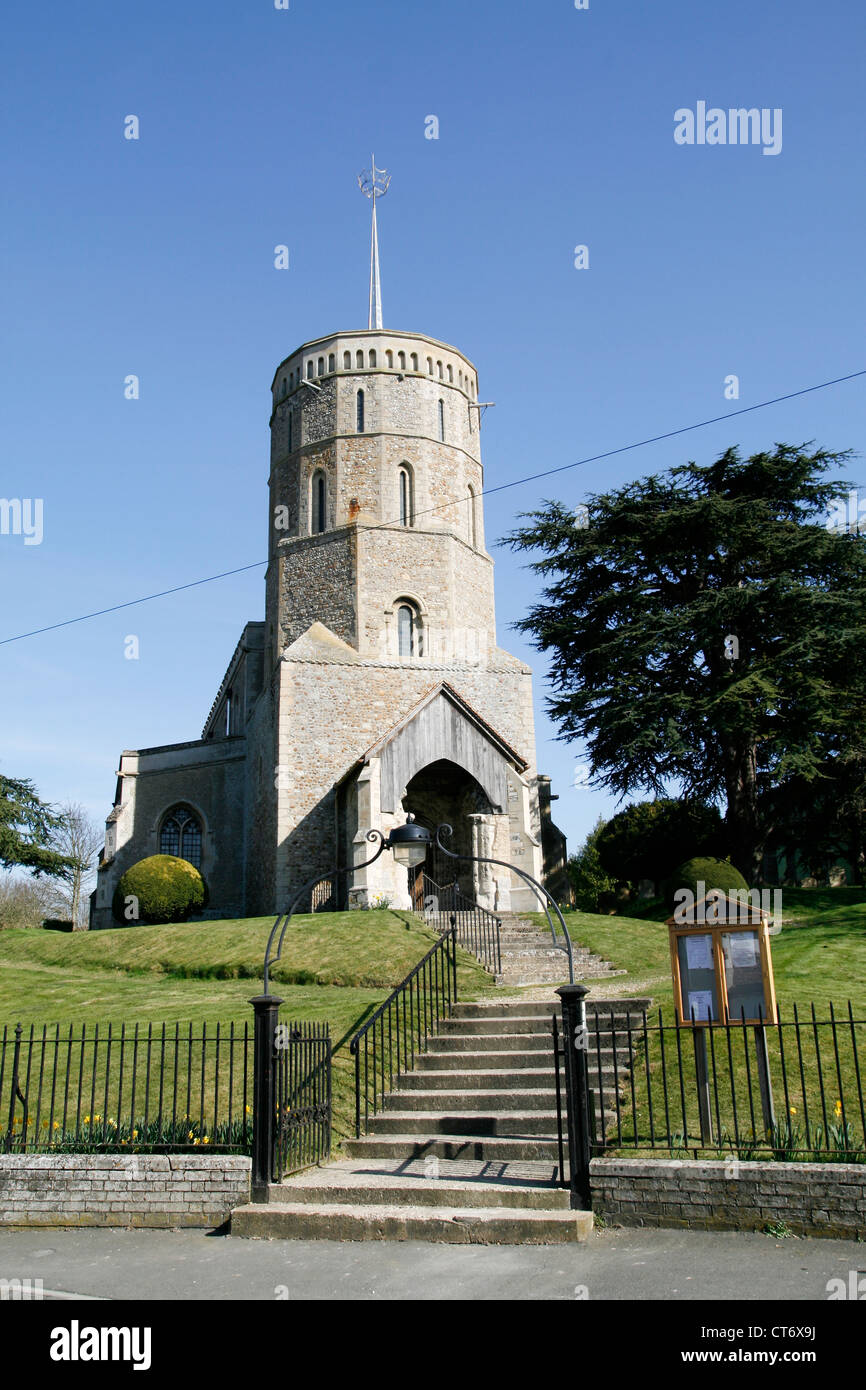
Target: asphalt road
x=613 y=1265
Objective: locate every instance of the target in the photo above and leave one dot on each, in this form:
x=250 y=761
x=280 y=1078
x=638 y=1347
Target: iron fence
x=149 y=1088
x=142 y=1087
x=303 y=1087
x=387 y=1044
x=791 y=1091
x=477 y=929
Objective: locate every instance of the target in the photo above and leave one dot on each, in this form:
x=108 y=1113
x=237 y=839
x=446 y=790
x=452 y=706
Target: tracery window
x=181 y=835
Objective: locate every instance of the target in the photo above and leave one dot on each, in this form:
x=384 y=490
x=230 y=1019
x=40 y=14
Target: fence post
x=702 y=1077
x=267 y=1008
x=575 y=1040
x=454 y=960
x=15 y=1094
x=764 y=1080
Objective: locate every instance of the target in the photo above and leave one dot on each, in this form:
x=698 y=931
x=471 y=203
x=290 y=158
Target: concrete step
x=490 y=1042
x=516 y=1023
x=478 y=1079
x=488 y=1149
x=433 y=1099
x=505 y=1008
x=454 y=1225
x=505 y=1124
x=430 y=1183
x=520 y=1065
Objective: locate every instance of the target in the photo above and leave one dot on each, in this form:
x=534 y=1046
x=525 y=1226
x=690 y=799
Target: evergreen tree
x=28 y=828
x=705 y=629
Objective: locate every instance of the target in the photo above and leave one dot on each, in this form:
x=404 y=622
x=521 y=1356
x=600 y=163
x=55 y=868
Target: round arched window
x=410 y=642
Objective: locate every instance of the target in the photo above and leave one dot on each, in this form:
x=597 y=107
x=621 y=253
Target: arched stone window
x=359 y=413
x=290 y=415
x=285 y=386
x=414 y=360
x=410 y=640
x=406 y=493
x=359 y=359
x=319 y=504
x=310 y=370
x=430 y=365
x=439 y=370
x=332 y=362
x=389 y=358
x=321 y=367
x=347 y=361
x=401 y=361
x=441 y=414
x=180 y=834
x=450 y=373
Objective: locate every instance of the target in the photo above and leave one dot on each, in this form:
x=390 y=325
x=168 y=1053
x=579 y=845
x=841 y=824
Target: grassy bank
x=336 y=968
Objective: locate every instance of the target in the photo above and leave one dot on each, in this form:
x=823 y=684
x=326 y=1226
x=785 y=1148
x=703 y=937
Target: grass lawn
x=336 y=968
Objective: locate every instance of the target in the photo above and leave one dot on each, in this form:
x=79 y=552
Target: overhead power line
x=455 y=501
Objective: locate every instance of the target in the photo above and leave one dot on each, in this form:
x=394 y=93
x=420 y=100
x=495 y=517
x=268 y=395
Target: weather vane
x=374 y=183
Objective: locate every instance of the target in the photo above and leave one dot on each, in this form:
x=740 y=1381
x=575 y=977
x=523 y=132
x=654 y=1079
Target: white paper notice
x=698 y=954
x=743 y=950
x=701 y=1002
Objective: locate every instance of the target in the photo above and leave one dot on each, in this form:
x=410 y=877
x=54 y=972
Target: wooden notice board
x=721 y=966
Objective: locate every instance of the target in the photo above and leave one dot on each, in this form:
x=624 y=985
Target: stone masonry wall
x=826 y=1199
x=121 y=1190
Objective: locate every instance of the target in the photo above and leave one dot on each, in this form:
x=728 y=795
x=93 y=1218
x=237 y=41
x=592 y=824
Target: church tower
x=375 y=686
x=380 y=600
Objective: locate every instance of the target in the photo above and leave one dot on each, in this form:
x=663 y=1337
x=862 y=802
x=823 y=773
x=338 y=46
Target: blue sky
x=155 y=257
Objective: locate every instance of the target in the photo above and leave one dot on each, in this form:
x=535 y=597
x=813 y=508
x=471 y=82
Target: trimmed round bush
x=168 y=889
x=713 y=873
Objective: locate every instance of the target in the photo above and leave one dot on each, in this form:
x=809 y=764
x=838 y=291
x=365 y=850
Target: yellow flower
x=135 y=1134
x=838 y=1109
x=249 y=1109
x=189 y=1136
x=205 y=1140
x=56 y=1124
x=793 y=1110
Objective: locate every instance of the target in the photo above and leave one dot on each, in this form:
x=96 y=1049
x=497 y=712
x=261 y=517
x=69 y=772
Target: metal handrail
x=488 y=948
x=396 y=998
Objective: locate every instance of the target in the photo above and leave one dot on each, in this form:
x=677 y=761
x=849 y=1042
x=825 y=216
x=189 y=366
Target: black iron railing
x=792 y=1090
x=477 y=929
x=140 y=1087
x=388 y=1043
x=303 y=1092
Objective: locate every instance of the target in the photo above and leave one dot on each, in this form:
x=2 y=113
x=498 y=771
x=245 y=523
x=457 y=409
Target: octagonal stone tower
x=375 y=492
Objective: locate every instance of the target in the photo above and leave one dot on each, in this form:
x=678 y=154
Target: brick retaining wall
x=121 y=1190
x=826 y=1199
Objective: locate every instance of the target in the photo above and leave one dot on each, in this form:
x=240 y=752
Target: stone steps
x=488 y=1149
x=465 y=1148
x=451 y=1225
x=475 y=1079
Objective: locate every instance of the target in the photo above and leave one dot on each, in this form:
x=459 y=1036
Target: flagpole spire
x=374 y=183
